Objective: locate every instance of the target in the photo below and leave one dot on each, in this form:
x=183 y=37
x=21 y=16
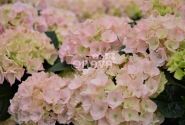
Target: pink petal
x=109 y=36
x=98 y=110
x=115 y=98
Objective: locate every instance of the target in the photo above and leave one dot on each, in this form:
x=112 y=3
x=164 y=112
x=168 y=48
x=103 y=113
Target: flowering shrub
x=92 y=62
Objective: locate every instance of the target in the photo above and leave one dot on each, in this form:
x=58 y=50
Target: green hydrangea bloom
x=163 y=82
x=161 y=9
x=176 y=64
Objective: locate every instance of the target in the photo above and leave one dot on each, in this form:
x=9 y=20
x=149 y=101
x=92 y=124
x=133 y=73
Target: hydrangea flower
x=161 y=8
x=144 y=75
x=41 y=100
x=177 y=64
x=93 y=39
x=117 y=60
x=163 y=35
x=100 y=100
x=35 y=3
x=82 y=8
x=55 y=19
x=168 y=7
x=13 y=15
x=144 y=8
x=22 y=48
x=135 y=9
x=93 y=97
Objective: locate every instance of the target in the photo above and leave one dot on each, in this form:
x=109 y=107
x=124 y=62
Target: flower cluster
x=82 y=8
x=92 y=98
x=93 y=38
x=41 y=99
x=169 y=7
x=23 y=48
x=126 y=100
x=161 y=36
x=13 y=15
x=42 y=20
x=55 y=19
x=138 y=8
x=133 y=8
x=177 y=64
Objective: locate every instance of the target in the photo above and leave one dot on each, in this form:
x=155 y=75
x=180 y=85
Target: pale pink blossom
x=115 y=98
x=98 y=110
x=114 y=116
x=16 y=14
x=44 y=100
x=90 y=39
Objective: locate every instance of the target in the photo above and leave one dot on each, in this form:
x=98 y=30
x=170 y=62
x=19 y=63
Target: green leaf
x=60 y=66
x=171 y=101
x=57 y=67
x=172 y=109
x=52 y=35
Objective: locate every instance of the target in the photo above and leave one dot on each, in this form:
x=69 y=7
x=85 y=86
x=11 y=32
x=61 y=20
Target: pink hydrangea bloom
x=82 y=8
x=94 y=38
x=13 y=15
x=135 y=74
x=39 y=4
x=41 y=99
x=161 y=35
x=159 y=28
x=55 y=19
x=121 y=101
